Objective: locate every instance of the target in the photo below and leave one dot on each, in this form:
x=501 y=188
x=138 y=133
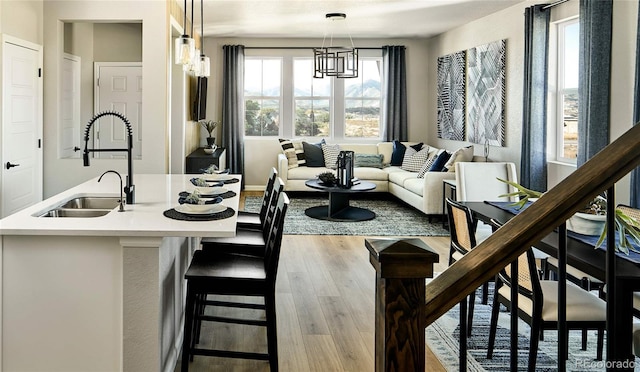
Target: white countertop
x=154 y=194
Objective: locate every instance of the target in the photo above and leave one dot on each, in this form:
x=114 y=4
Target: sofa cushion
x=313 y=153
x=368 y=160
x=441 y=160
x=294 y=152
x=415 y=185
x=330 y=153
x=413 y=160
x=463 y=154
x=399 y=178
x=370 y=174
x=305 y=173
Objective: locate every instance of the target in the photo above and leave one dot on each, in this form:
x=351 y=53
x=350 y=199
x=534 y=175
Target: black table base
x=348 y=214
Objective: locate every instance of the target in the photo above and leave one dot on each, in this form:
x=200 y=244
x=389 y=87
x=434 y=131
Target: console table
x=199 y=160
x=339 y=208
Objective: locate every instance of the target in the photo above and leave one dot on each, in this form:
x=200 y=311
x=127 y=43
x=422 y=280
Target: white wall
x=22 y=19
x=509 y=24
x=60 y=174
x=260 y=153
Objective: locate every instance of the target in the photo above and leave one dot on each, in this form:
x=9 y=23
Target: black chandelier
x=338 y=61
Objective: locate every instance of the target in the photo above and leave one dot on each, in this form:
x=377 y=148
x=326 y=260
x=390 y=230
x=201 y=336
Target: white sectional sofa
x=424 y=194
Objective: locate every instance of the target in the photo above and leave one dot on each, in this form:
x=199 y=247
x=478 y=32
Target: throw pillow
x=313 y=154
x=427 y=165
x=293 y=151
x=368 y=160
x=397 y=156
x=463 y=154
x=440 y=161
x=330 y=153
x=413 y=160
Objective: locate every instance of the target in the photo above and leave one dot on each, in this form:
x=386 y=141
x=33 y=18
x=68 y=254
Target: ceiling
x=365 y=18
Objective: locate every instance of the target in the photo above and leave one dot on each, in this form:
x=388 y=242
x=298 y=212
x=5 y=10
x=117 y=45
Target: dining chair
x=463 y=240
x=255 y=220
x=247 y=241
x=538 y=305
x=233 y=274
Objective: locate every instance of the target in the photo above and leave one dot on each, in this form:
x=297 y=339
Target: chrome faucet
x=119 y=176
x=130 y=187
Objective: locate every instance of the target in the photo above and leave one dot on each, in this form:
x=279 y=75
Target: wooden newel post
x=401 y=268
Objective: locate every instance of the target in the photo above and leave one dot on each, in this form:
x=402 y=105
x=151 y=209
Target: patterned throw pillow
x=413 y=160
x=463 y=154
x=427 y=165
x=330 y=153
x=368 y=160
x=294 y=152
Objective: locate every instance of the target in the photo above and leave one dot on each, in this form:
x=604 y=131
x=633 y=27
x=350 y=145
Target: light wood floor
x=325 y=308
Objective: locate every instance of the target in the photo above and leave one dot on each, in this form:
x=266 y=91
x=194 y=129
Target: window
x=262 y=96
x=285 y=100
x=566 y=95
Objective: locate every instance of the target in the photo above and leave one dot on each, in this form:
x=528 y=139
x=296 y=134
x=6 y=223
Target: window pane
x=312 y=117
x=304 y=84
x=571 y=55
x=570 y=130
x=362 y=118
x=262 y=87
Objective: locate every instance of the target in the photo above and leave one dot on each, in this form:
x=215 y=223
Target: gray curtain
x=594 y=77
x=395 y=101
x=635 y=174
x=233 y=106
x=533 y=165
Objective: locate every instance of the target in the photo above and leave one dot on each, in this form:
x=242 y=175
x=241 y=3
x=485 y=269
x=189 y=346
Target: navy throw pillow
x=313 y=154
x=441 y=160
x=397 y=156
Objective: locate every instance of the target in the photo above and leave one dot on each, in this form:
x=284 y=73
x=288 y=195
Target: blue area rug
x=443 y=338
x=393 y=218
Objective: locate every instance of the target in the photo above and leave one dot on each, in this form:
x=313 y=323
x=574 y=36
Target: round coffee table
x=339 y=208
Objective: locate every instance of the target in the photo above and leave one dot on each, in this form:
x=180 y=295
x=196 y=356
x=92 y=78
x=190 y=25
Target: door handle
x=9 y=165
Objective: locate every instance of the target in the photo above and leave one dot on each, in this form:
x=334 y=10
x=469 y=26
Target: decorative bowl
x=208 y=150
x=586 y=223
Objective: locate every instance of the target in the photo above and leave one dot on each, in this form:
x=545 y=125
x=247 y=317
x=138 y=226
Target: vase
x=586 y=223
x=211 y=142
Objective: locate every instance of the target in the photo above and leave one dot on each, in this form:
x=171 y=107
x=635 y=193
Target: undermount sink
x=82 y=213
x=83 y=207
x=92 y=202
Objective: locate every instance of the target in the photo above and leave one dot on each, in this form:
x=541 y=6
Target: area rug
x=393 y=218
x=442 y=337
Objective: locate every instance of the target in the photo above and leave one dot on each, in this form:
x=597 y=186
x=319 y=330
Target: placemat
x=233 y=180
x=226 y=195
x=174 y=214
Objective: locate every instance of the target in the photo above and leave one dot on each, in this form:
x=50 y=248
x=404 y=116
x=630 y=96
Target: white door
x=70 y=106
x=21 y=124
x=118 y=88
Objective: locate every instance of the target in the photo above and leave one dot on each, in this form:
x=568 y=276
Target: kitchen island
x=100 y=293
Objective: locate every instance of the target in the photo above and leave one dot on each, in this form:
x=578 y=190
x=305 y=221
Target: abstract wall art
x=486 y=87
x=451 y=96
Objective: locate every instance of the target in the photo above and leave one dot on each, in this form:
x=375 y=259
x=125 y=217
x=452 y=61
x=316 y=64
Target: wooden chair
x=463 y=240
x=211 y=273
x=248 y=241
x=255 y=220
x=537 y=306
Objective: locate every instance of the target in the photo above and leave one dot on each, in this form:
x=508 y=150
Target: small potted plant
x=209 y=126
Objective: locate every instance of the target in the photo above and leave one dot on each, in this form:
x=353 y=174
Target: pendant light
x=194 y=64
x=204 y=68
x=185 y=46
x=338 y=61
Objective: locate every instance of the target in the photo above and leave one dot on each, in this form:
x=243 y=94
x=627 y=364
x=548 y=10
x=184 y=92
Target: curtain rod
x=554 y=4
x=364 y=48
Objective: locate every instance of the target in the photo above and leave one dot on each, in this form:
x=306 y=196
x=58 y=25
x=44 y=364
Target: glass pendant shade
x=185 y=50
x=205 y=66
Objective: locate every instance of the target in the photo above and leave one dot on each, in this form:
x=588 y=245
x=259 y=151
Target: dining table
x=582 y=254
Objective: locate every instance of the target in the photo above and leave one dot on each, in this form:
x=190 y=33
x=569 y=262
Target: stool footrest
x=234 y=304
x=221 y=319
x=230 y=354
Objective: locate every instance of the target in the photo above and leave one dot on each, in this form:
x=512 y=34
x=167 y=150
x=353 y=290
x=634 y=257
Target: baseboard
x=254 y=188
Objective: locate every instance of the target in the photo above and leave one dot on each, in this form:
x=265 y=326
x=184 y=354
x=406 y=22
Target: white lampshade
x=205 y=66
x=185 y=50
